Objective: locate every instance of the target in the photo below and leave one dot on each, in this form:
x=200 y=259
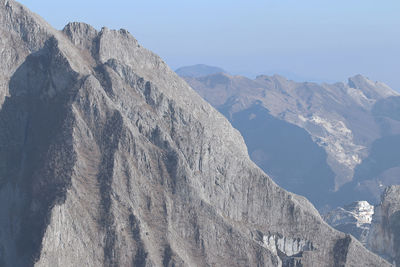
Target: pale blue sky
x=311 y=39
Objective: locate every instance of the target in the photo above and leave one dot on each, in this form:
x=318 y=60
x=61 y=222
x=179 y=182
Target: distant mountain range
x=198 y=70
x=333 y=143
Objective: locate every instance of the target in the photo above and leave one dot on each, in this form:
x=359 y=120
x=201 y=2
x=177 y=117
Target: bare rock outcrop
x=108 y=158
x=384 y=237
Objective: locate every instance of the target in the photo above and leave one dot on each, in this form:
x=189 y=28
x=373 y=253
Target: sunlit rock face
x=337 y=131
x=384 y=237
x=108 y=158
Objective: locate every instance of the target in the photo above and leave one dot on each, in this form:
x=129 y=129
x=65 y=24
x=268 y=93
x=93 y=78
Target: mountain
x=384 y=237
x=108 y=158
x=378 y=228
x=198 y=70
x=354 y=219
x=341 y=138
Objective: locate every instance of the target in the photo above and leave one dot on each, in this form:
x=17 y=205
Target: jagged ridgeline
x=341 y=140
x=108 y=158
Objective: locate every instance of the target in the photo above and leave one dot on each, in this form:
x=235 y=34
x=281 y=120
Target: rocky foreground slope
x=342 y=138
x=108 y=158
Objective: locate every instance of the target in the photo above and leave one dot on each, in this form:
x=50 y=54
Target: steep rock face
x=108 y=158
x=384 y=236
x=346 y=121
x=354 y=219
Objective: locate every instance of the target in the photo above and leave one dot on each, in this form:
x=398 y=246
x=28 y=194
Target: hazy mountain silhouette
x=198 y=70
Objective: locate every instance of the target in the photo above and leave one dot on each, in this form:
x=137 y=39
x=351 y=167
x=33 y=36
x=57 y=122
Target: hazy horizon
x=311 y=40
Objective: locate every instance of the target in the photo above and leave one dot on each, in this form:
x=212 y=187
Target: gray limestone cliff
x=108 y=158
x=384 y=237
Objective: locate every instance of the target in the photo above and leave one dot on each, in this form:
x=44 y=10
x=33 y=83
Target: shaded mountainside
x=336 y=131
x=286 y=151
x=108 y=158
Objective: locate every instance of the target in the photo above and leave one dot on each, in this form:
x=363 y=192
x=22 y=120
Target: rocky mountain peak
x=345 y=121
x=81 y=34
x=372 y=90
x=108 y=158
x=31 y=28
